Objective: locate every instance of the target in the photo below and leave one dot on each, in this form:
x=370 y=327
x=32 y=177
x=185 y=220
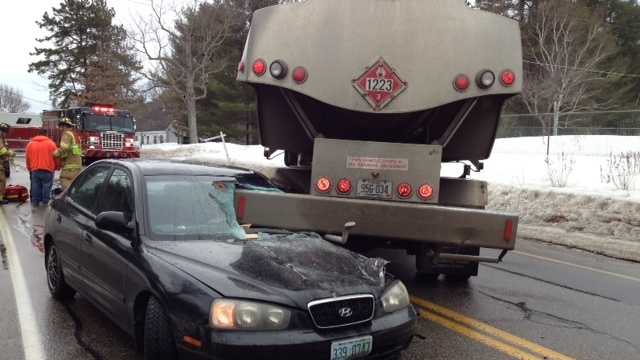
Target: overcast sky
x=18 y=31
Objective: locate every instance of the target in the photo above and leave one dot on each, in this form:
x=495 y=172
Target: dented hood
x=291 y=269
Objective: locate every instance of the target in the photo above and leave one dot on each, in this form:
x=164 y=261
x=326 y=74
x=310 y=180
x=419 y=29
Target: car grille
x=112 y=141
x=342 y=311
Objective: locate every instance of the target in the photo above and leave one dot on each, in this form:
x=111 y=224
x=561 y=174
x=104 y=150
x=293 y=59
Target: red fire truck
x=24 y=126
x=102 y=130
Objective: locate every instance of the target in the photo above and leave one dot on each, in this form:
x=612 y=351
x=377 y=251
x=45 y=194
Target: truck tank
x=396 y=71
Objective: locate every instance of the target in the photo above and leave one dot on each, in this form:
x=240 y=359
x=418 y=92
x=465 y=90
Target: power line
x=583 y=69
x=578 y=113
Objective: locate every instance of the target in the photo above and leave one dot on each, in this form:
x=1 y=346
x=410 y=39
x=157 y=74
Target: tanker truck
x=367 y=99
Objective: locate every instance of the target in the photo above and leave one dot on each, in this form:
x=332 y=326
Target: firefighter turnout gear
x=66 y=121
x=6 y=155
x=70 y=156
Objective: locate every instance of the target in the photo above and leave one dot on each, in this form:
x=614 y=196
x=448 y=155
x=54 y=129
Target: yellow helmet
x=66 y=121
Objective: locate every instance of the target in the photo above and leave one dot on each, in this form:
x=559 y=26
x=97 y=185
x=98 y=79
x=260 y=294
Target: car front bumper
x=391 y=334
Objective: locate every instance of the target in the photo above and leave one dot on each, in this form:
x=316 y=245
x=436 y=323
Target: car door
x=109 y=252
x=73 y=215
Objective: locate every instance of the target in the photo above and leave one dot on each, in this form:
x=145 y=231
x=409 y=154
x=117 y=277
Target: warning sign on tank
x=379 y=84
x=374 y=163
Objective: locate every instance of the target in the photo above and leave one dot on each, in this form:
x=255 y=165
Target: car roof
x=168 y=167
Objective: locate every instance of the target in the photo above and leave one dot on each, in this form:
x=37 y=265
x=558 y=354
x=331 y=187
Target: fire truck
x=367 y=99
x=103 y=131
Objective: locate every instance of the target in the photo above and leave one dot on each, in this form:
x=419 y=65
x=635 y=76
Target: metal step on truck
x=367 y=99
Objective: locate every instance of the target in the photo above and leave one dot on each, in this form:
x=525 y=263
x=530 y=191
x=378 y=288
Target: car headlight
x=230 y=314
x=395 y=298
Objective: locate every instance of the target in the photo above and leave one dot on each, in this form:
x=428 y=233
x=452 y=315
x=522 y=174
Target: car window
x=191 y=207
x=118 y=193
x=85 y=191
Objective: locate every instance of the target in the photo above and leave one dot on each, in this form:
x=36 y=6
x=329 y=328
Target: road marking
x=28 y=325
x=488 y=329
x=474 y=335
x=604 y=272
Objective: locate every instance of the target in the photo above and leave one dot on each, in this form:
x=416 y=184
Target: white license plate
x=375 y=189
x=351 y=348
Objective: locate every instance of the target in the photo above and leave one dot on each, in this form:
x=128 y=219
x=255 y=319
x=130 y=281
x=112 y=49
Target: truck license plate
x=351 y=348
x=376 y=189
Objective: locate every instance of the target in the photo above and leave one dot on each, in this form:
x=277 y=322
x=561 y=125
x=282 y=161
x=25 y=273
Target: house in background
x=155 y=126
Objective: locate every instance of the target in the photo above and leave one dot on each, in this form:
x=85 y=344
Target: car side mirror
x=114 y=221
x=57 y=191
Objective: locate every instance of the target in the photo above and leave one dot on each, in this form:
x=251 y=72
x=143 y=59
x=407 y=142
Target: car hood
x=291 y=269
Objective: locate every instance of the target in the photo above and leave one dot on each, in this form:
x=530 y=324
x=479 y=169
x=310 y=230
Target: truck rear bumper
x=380 y=219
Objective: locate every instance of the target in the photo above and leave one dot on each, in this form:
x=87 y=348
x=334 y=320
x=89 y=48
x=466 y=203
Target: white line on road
x=604 y=272
x=31 y=342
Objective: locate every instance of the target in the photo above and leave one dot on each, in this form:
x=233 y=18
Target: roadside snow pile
x=214 y=154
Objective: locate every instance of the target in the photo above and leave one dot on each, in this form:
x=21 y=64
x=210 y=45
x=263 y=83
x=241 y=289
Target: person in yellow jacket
x=6 y=155
x=69 y=153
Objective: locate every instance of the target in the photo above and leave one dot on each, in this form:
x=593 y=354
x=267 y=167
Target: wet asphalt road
x=543 y=300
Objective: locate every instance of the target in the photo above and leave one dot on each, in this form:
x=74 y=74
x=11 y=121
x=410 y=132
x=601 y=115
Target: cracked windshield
x=320 y=179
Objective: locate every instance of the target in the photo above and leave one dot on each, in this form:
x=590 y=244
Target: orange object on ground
x=39 y=154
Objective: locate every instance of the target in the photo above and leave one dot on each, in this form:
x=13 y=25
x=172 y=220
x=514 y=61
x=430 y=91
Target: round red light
x=241 y=67
x=259 y=67
x=425 y=192
x=323 y=185
x=507 y=78
x=404 y=190
x=300 y=75
x=344 y=186
x=461 y=82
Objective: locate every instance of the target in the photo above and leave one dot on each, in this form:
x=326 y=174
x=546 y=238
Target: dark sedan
x=156 y=246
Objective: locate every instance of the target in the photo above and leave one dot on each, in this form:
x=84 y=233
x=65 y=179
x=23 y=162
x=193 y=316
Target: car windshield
x=191 y=208
x=106 y=123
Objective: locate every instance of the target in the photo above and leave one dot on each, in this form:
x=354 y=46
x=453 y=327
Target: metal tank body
x=416 y=48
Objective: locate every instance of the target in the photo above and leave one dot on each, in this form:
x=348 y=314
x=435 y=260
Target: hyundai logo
x=345 y=312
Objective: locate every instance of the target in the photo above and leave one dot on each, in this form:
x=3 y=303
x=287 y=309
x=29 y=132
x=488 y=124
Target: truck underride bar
x=380 y=219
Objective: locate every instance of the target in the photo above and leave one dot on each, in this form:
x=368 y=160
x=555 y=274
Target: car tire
x=158 y=338
x=58 y=287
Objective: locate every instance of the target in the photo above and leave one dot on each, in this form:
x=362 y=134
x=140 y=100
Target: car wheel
x=58 y=288
x=158 y=338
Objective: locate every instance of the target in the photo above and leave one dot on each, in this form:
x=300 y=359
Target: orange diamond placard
x=379 y=84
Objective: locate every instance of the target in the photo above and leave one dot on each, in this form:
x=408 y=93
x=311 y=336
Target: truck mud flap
x=380 y=219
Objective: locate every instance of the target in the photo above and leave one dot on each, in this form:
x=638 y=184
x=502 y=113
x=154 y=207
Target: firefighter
x=69 y=153
x=6 y=155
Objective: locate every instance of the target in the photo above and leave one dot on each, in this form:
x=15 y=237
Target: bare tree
x=12 y=100
x=186 y=53
x=566 y=46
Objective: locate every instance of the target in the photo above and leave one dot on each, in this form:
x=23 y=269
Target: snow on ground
x=587 y=213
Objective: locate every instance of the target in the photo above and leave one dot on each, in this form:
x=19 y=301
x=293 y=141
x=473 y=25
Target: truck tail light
x=344 y=186
x=508 y=231
x=461 y=83
x=259 y=67
x=300 y=75
x=404 y=190
x=323 y=185
x=485 y=79
x=425 y=192
x=507 y=78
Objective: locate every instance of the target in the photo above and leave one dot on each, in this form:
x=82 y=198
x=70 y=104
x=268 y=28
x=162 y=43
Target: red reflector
x=404 y=190
x=241 y=67
x=508 y=231
x=323 y=185
x=344 y=186
x=507 y=78
x=425 y=192
x=300 y=75
x=461 y=82
x=241 y=207
x=259 y=67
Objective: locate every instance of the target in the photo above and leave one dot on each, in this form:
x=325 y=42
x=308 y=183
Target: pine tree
x=89 y=60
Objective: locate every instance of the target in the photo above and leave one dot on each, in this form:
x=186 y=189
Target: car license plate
x=375 y=189
x=351 y=348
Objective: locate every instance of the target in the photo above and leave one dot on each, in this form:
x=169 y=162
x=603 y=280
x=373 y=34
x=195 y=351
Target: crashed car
x=156 y=246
